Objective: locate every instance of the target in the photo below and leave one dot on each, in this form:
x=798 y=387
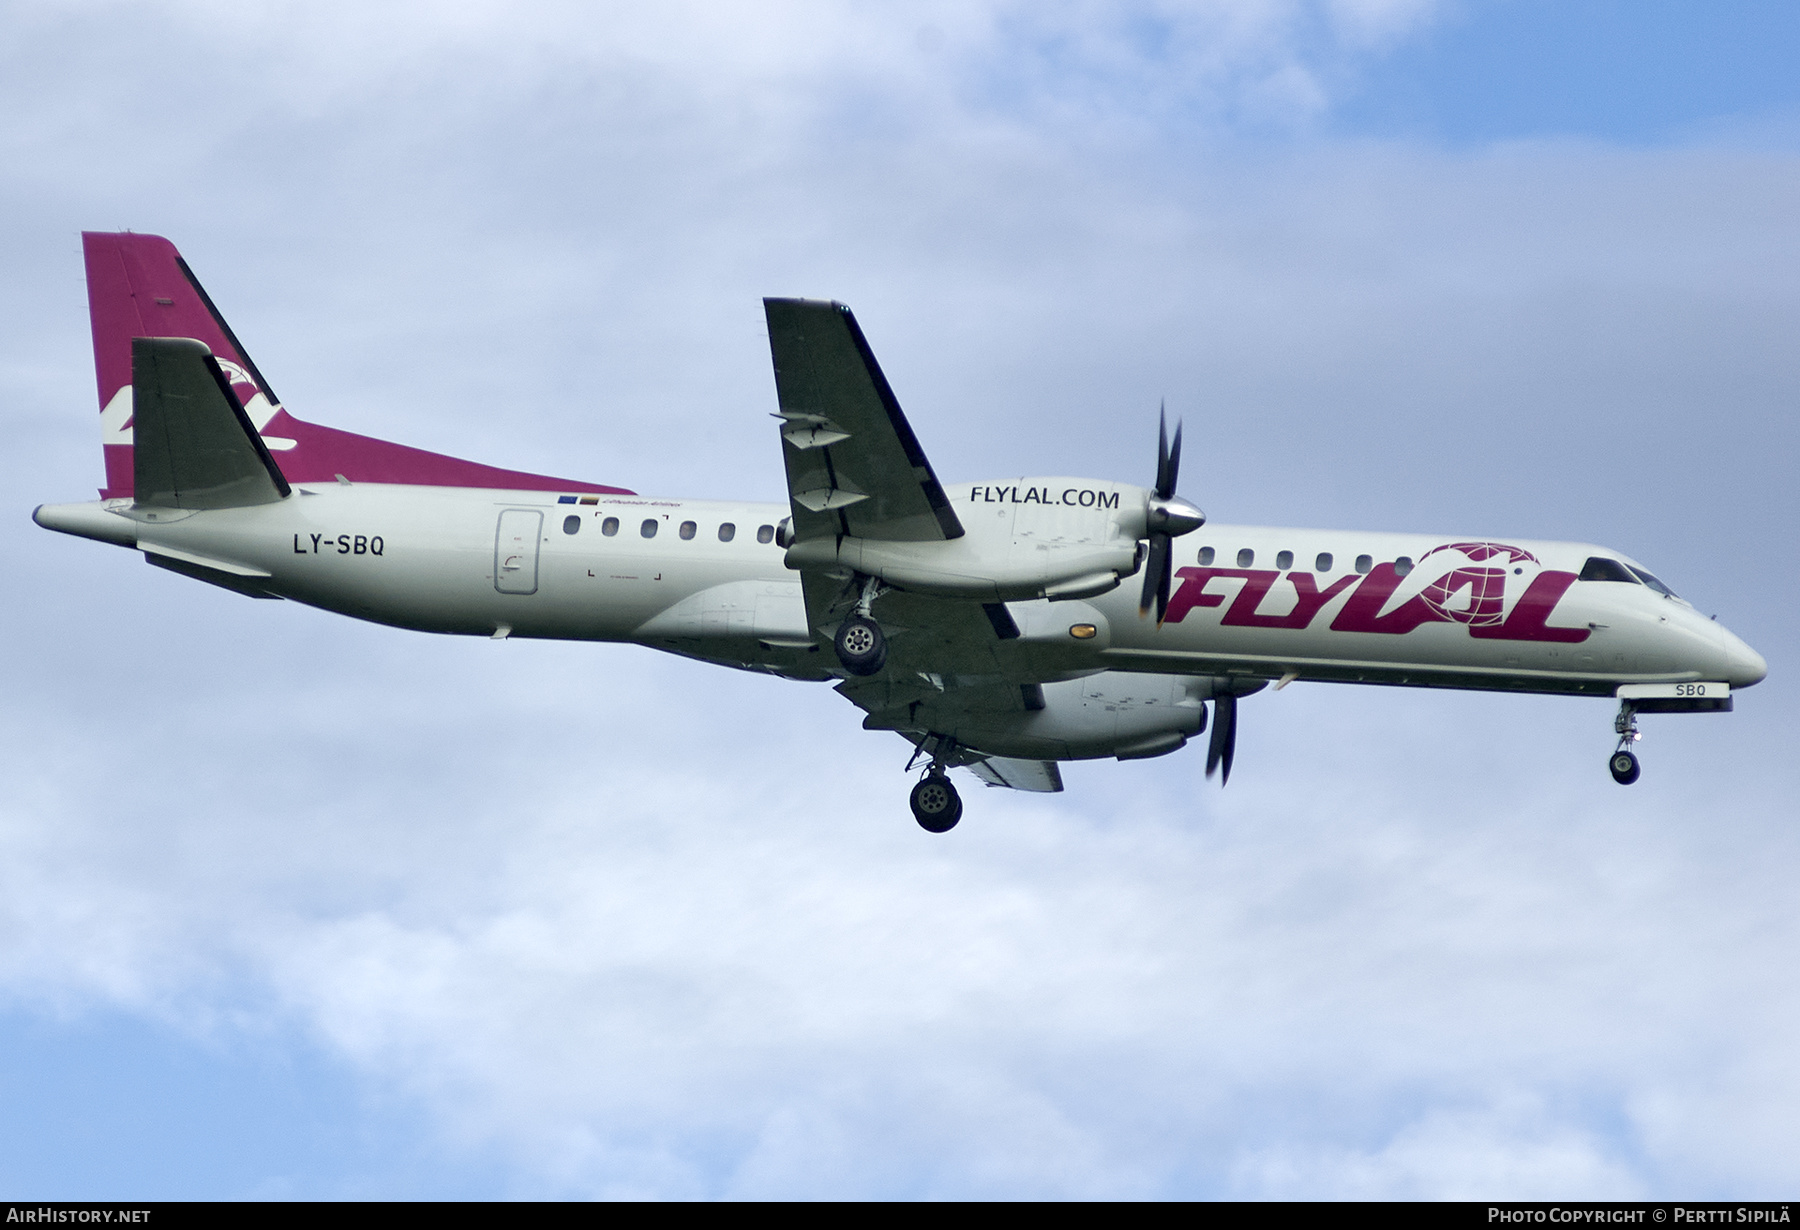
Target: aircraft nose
x=1747 y=666
x=1744 y=665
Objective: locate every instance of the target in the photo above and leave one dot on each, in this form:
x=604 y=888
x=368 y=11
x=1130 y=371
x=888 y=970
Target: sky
x=297 y=907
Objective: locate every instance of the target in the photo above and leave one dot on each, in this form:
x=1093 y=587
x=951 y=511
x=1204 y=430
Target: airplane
x=988 y=623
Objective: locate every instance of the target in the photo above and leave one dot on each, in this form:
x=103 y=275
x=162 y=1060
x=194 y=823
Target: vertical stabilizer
x=138 y=286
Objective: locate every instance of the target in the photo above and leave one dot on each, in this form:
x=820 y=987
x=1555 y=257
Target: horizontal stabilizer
x=226 y=575
x=196 y=448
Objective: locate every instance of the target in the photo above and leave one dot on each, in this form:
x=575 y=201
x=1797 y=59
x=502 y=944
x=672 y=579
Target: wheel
x=860 y=645
x=935 y=804
x=1624 y=768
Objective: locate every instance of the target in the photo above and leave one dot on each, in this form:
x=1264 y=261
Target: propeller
x=1166 y=517
x=1224 y=737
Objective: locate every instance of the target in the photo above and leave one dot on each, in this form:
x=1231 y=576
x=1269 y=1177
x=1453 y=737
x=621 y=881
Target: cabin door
x=516 y=551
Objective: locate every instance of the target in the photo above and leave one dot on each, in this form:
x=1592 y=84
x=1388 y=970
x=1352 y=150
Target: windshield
x=1599 y=568
x=1652 y=582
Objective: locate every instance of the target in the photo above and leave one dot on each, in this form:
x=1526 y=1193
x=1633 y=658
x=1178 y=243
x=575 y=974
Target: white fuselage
x=1267 y=603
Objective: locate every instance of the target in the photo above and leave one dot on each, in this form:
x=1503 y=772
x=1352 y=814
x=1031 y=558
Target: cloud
x=639 y=927
x=1271 y=60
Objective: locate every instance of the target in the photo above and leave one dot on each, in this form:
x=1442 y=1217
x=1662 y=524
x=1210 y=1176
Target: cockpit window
x=1652 y=582
x=1599 y=568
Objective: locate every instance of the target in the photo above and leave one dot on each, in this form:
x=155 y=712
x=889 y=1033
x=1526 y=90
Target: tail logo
x=237 y=375
x=116 y=418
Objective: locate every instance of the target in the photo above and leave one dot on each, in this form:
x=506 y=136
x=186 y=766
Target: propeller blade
x=1174 y=464
x=1157 y=564
x=1167 y=461
x=1223 y=743
x=1162 y=580
x=1230 y=742
x=1162 y=513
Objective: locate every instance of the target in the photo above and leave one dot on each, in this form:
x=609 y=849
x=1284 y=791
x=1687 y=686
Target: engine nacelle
x=1053 y=538
x=1112 y=713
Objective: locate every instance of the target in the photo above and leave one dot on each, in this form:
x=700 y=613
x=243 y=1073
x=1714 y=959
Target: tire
x=1624 y=768
x=860 y=645
x=935 y=804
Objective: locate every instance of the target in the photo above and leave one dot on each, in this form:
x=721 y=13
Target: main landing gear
x=1624 y=762
x=860 y=643
x=935 y=804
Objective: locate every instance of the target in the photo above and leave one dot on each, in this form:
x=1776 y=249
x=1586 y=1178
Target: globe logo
x=1472 y=588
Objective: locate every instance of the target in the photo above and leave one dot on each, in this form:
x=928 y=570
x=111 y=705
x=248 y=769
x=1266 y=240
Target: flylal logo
x=1498 y=591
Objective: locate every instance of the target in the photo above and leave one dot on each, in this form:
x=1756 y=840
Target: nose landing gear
x=1624 y=762
x=1624 y=766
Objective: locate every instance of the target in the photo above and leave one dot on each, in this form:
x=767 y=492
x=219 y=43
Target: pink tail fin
x=138 y=286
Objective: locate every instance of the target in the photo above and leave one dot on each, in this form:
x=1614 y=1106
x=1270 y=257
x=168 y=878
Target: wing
x=855 y=469
x=854 y=466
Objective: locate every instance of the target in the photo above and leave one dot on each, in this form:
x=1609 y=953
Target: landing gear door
x=516 y=550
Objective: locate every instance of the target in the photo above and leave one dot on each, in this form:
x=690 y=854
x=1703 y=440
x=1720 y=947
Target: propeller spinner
x=1166 y=517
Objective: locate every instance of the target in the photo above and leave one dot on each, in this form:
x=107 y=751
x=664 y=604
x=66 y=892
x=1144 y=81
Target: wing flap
x=1037 y=776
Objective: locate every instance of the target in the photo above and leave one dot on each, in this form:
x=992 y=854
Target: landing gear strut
x=860 y=643
x=1624 y=762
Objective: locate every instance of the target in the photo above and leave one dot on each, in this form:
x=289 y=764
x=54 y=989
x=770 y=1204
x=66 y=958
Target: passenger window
x=648 y=528
x=1403 y=565
x=687 y=530
x=1246 y=557
x=727 y=531
x=765 y=533
x=1599 y=568
x=1364 y=563
x=610 y=526
x=1206 y=556
x=1652 y=582
x=1323 y=563
x=1284 y=560
x=571 y=524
